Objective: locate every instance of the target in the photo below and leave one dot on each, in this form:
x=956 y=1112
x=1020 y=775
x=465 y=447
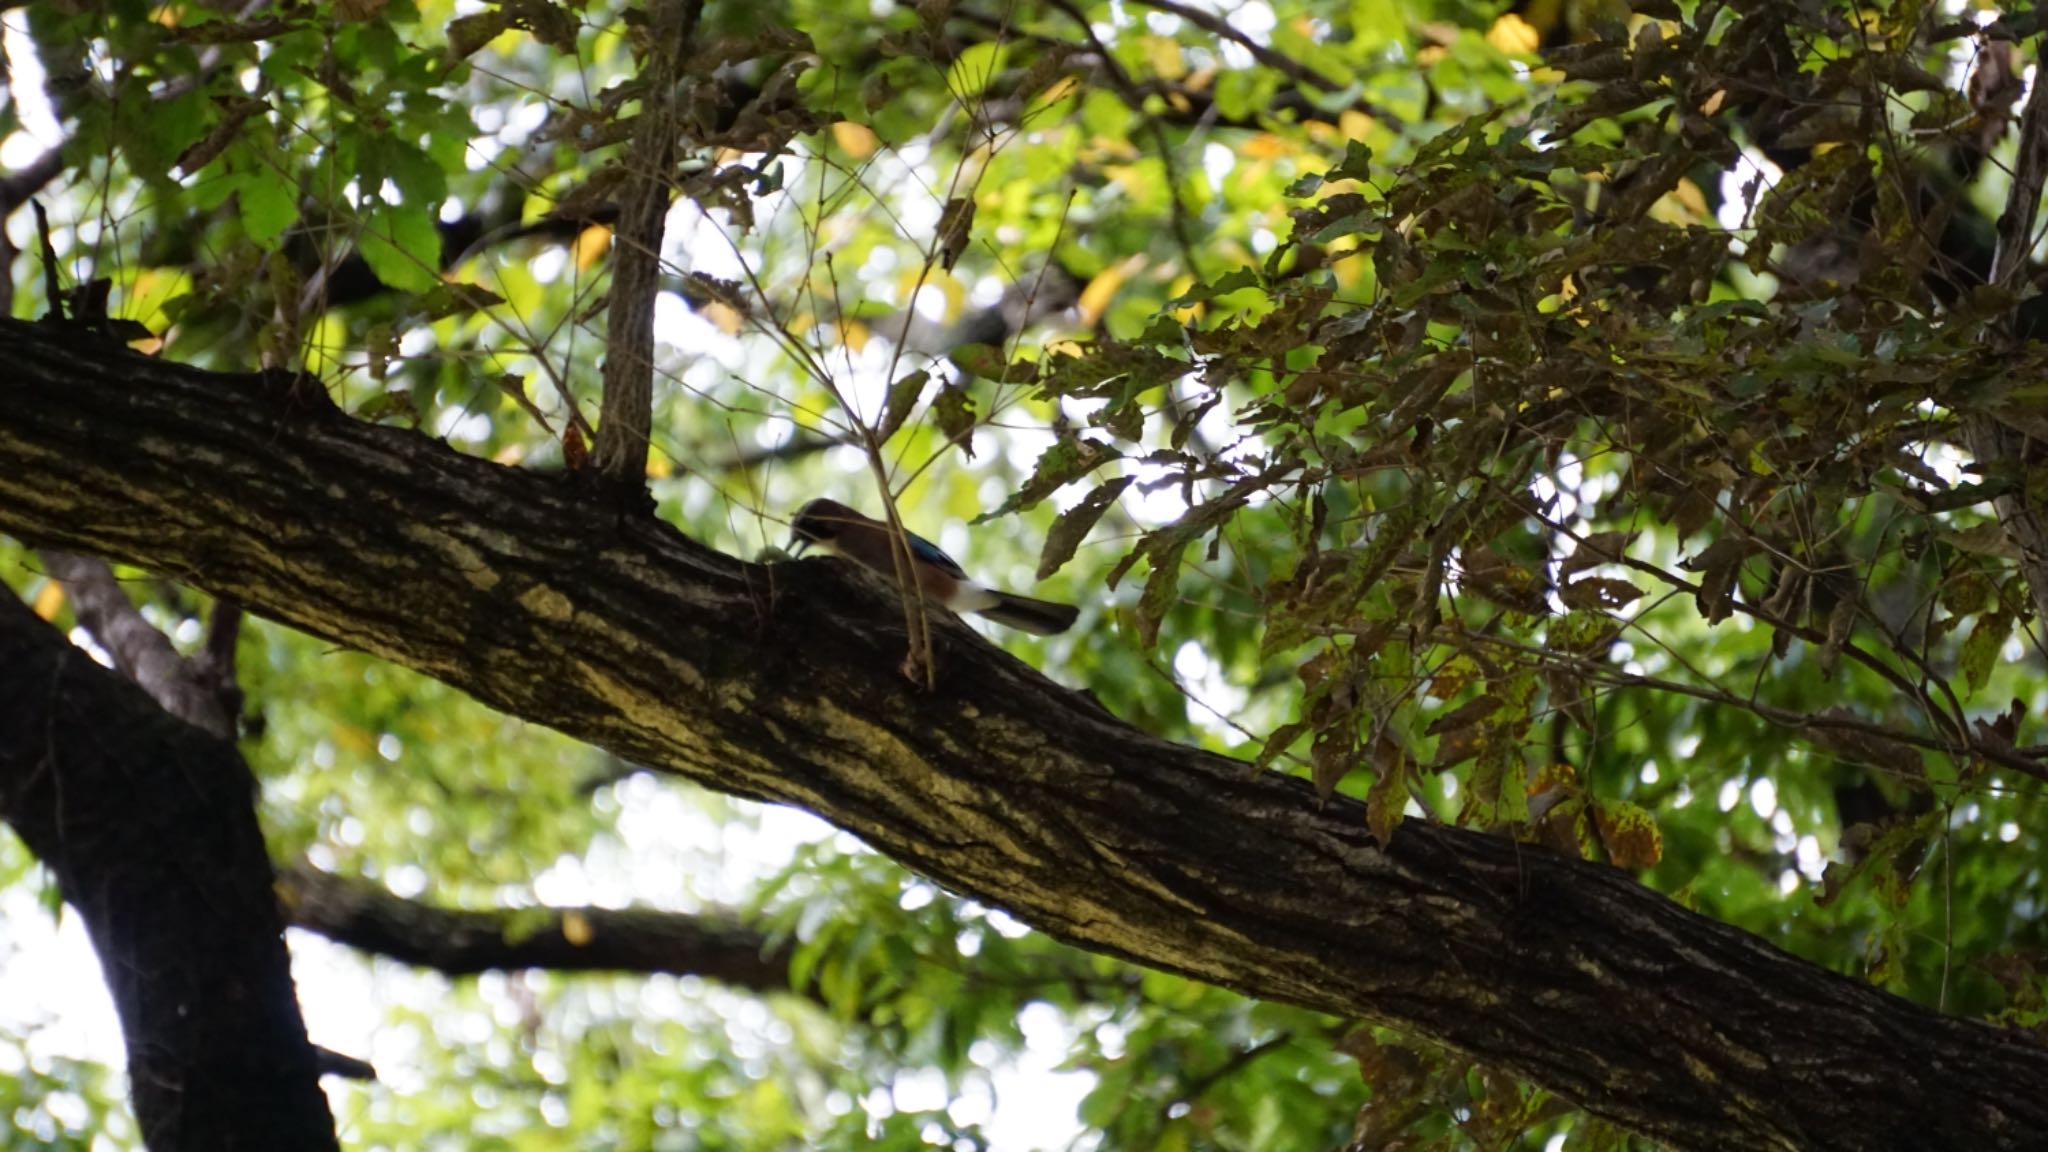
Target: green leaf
x=1065 y=462
x=268 y=202
x=1230 y=282
x=1073 y=525
x=1980 y=649
x=974 y=68
x=954 y=410
x=1162 y=589
x=988 y=362
x=402 y=246
x=420 y=180
x=902 y=398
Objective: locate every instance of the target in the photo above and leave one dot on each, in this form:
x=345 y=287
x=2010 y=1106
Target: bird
x=868 y=542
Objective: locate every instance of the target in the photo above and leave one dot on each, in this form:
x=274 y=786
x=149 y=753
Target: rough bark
x=628 y=403
x=780 y=683
x=463 y=942
x=202 y=697
x=1999 y=447
x=150 y=827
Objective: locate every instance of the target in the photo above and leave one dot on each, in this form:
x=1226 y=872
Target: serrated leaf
x=1465 y=715
x=420 y=180
x=1229 y=282
x=988 y=362
x=1072 y=526
x=1593 y=551
x=903 y=396
x=1162 y=588
x=953 y=408
x=1600 y=593
x=1980 y=649
x=268 y=203
x=1331 y=758
x=1065 y=462
x=1719 y=566
x=956 y=228
x=402 y=246
x=1275 y=745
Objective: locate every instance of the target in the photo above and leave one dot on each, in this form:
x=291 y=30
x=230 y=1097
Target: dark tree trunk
x=150 y=827
x=782 y=683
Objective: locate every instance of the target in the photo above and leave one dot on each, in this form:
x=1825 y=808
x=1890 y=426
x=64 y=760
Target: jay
x=868 y=542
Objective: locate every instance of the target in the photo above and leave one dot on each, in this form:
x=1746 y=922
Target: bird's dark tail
x=1042 y=617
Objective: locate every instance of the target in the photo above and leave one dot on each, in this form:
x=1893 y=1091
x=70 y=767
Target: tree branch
x=150 y=826
x=778 y=683
x=463 y=942
x=1996 y=444
x=140 y=651
x=628 y=404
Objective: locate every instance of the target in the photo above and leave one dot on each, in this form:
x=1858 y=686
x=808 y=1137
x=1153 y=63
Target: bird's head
x=820 y=522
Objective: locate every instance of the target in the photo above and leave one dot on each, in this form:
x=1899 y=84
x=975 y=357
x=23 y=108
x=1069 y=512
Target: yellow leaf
x=856 y=140
x=354 y=740
x=1266 y=146
x=49 y=600
x=854 y=335
x=1163 y=53
x=1631 y=835
x=591 y=245
x=1095 y=298
x=1514 y=35
x=1355 y=124
x=576 y=928
x=1683 y=205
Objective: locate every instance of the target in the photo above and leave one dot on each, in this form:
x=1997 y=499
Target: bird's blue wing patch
x=929 y=553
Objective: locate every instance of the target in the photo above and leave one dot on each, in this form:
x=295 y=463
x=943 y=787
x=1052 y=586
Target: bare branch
x=140 y=652
x=627 y=410
x=463 y=942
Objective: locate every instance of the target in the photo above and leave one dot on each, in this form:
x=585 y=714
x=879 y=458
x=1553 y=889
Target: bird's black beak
x=797 y=543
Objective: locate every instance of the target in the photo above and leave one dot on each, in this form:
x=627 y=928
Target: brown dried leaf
x=1331 y=758
x=956 y=227
x=1599 y=593
x=903 y=396
x=1593 y=551
x=1465 y=715
x=1719 y=566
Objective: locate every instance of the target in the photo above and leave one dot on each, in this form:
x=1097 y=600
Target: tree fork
x=778 y=683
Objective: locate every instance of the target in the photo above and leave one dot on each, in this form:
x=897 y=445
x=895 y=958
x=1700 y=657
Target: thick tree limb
x=150 y=826
x=780 y=683
x=461 y=942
